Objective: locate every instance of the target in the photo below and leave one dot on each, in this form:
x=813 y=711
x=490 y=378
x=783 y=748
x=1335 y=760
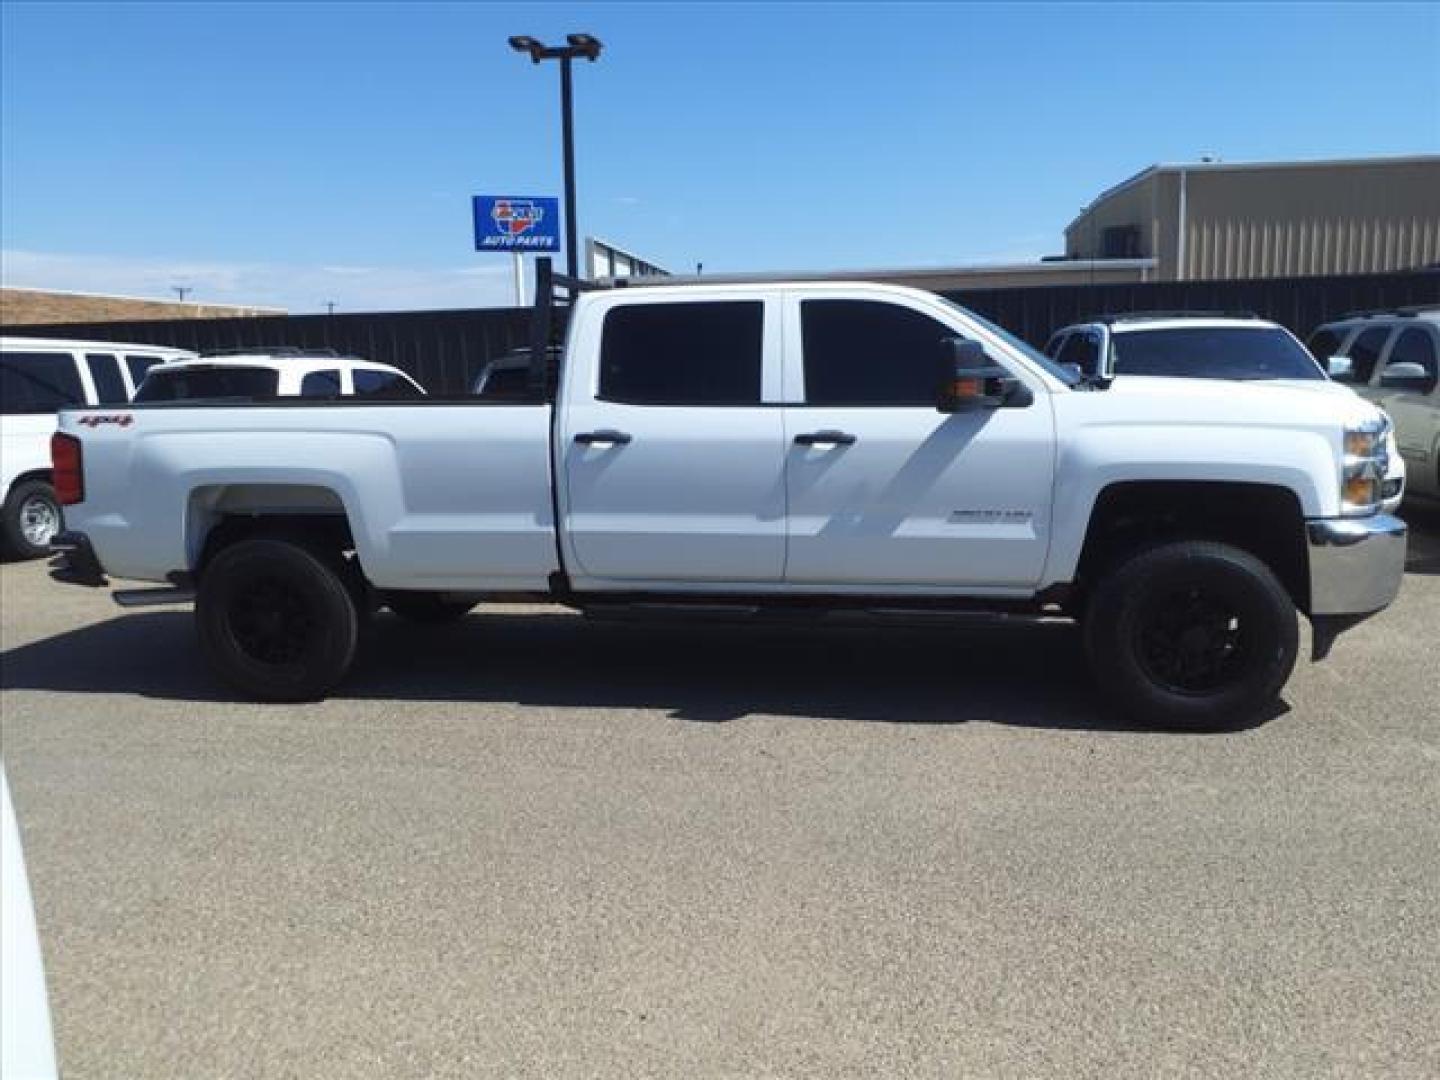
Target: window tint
x=1415 y=346
x=139 y=365
x=1052 y=347
x=383 y=384
x=706 y=353
x=1364 y=353
x=167 y=383
x=867 y=352
x=109 y=383
x=38 y=382
x=321 y=384
x=1230 y=352
x=1324 y=344
x=1082 y=350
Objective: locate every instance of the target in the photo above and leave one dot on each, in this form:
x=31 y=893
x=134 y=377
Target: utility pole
x=582 y=46
x=181 y=290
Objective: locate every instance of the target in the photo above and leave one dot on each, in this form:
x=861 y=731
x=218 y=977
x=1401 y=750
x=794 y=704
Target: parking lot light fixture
x=577 y=46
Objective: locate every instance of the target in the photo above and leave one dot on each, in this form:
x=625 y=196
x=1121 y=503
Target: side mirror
x=971 y=381
x=1406 y=375
x=1340 y=367
x=1073 y=369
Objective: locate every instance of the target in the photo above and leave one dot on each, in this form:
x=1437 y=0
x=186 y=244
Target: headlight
x=1365 y=464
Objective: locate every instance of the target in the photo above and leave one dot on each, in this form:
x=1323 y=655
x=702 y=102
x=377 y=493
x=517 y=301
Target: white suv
x=1196 y=345
x=39 y=376
x=253 y=373
x=1393 y=358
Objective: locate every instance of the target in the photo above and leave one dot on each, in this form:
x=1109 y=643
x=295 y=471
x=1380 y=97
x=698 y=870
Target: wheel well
x=26 y=477
x=1262 y=519
x=326 y=534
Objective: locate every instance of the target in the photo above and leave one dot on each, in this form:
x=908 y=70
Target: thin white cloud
x=297 y=288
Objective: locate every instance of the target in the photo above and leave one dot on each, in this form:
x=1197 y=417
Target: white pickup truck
x=739 y=447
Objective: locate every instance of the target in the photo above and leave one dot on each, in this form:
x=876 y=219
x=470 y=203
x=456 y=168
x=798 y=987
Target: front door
x=884 y=490
x=674 y=460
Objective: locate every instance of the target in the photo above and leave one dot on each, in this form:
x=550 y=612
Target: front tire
x=276 y=621
x=30 y=519
x=1192 y=635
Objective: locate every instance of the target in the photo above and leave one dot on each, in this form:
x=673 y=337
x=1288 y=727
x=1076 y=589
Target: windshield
x=190 y=384
x=1065 y=375
x=1217 y=352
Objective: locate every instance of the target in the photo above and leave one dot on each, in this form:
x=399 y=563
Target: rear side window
x=38 y=382
x=167 y=383
x=105 y=374
x=867 y=352
x=139 y=365
x=1365 y=354
x=706 y=353
x=383 y=384
x=320 y=384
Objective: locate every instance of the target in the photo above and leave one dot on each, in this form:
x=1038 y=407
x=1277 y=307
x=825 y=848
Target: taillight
x=67 y=468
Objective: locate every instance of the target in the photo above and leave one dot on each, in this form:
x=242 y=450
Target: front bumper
x=1356 y=564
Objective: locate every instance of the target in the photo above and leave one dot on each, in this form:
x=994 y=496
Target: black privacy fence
x=445 y=350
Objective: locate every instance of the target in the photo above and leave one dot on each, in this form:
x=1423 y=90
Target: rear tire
x=431 y=609
x=30 y=519
x=1192 y=635
x=276 y=621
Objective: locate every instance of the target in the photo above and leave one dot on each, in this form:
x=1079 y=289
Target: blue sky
x=294 y=153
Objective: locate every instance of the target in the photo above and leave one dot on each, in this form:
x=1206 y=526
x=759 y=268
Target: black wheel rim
x=1194 y=641
x=271 y=622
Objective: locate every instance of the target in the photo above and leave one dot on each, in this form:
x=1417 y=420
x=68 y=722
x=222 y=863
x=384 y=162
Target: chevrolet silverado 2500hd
x=817 y=446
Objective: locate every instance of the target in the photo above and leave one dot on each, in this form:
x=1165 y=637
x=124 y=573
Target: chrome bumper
x=1356 y=564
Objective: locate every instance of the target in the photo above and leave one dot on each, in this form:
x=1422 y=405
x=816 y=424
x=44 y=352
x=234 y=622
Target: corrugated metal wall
x=445 y=350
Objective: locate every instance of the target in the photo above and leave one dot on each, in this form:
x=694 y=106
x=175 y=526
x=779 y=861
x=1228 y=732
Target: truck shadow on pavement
x=1422 y=554
x=1026 y=675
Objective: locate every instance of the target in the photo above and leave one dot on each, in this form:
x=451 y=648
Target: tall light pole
x=577 y=46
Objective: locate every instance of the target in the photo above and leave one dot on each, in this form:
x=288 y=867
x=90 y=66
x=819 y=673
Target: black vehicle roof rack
x=1122 y=316
x=1408 y=311
x=288 y=351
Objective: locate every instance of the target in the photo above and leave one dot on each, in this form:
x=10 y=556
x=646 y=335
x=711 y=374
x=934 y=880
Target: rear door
x=672 y=445
x=886 y=492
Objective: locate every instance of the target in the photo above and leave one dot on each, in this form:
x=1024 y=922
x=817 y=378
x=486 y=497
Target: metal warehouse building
x=1214 y=220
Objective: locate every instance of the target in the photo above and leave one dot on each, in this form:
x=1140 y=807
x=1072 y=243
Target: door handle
x=825 y=438
x=604 y=437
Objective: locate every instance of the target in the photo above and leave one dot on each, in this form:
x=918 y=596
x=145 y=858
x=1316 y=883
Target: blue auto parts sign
x=516 y=223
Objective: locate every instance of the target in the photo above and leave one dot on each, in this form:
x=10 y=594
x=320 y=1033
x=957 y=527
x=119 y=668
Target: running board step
x=168 y=594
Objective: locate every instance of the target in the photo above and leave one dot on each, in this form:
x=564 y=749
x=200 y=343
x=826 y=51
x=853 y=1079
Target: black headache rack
x=546 y=349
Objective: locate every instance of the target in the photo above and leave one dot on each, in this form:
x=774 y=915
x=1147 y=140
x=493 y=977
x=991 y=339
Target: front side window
x=109 y=383
x=38 y=382
x=701 y=353
x=170 y=383
x=383 y=384
x=867 y=352
x=1365 y=354
x=1082 y=350
x=1228 y=352
x=139 y=365
x=321 y=384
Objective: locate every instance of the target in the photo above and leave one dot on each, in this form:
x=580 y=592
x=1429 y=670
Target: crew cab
x=1233 y=346
x=811 y=447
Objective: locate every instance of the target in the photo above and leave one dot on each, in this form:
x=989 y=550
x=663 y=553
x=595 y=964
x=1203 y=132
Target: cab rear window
x=195 y=384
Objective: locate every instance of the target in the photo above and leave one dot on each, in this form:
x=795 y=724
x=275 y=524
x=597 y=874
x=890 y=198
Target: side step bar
x=165 y=594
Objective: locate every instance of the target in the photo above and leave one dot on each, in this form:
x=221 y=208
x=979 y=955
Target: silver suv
x=1393 y=358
